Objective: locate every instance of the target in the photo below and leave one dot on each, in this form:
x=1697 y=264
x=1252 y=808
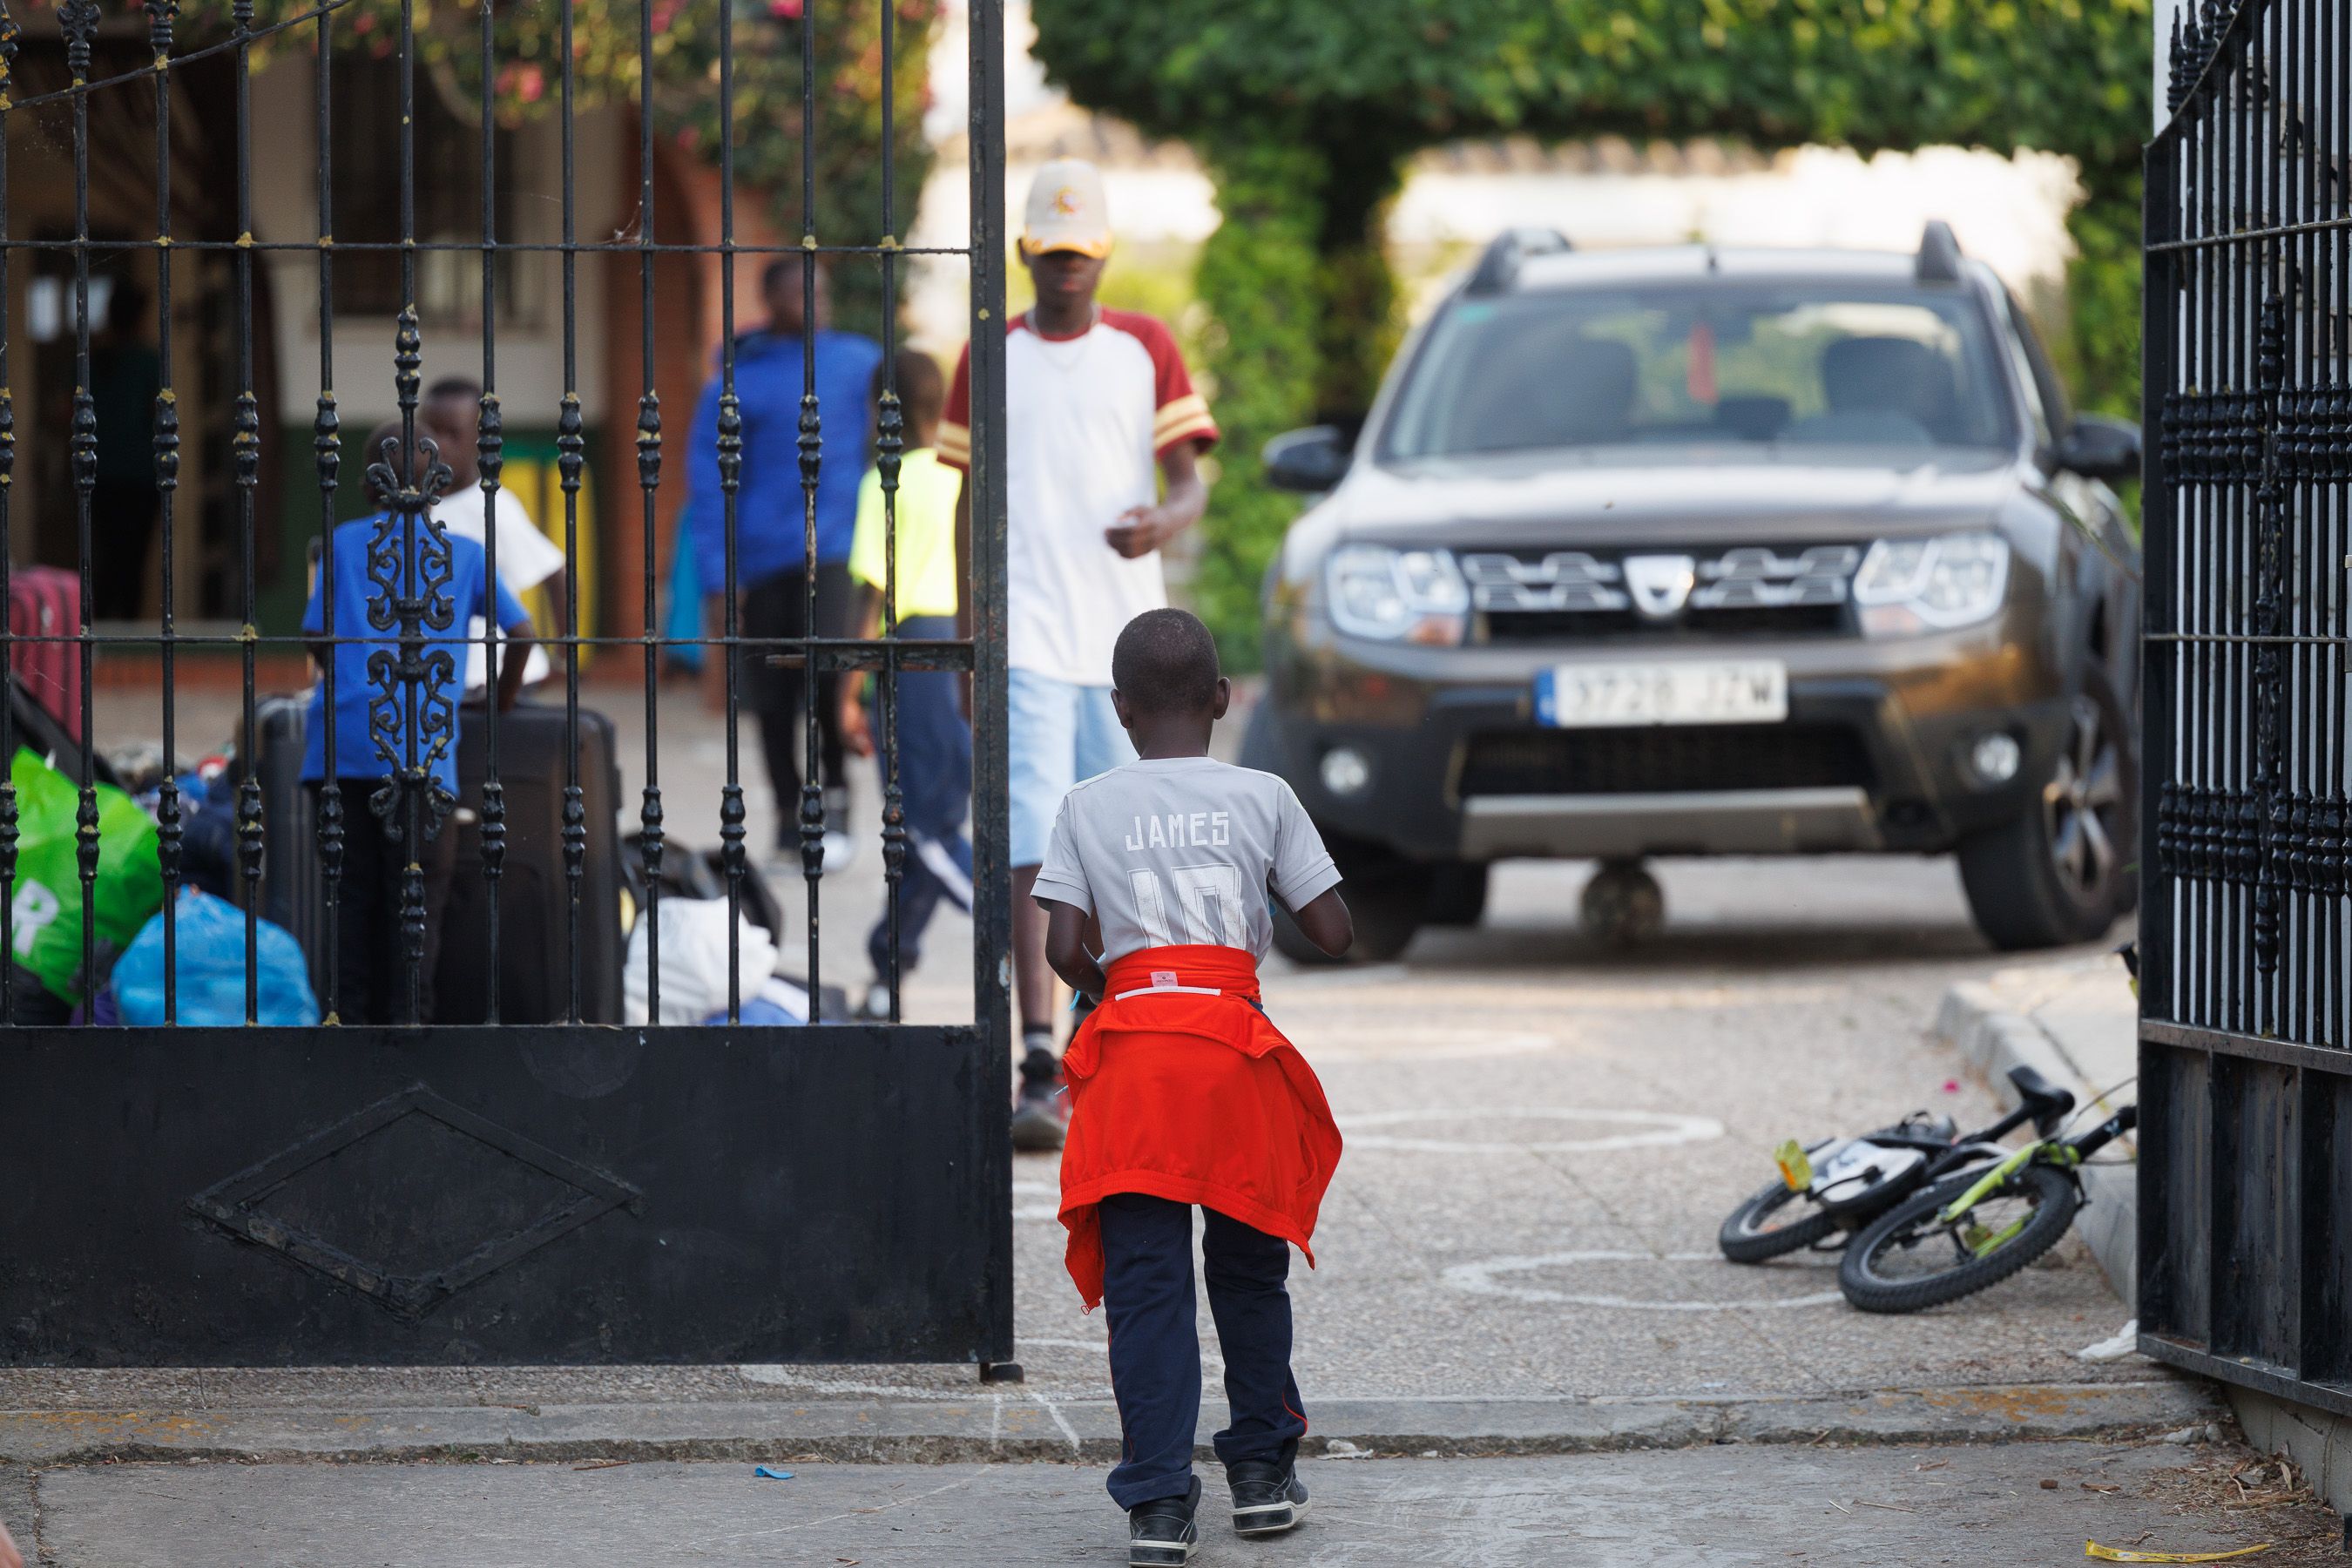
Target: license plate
x=1724 y=691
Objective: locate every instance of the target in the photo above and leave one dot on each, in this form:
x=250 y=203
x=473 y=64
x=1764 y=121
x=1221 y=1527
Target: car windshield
x=1816 y=364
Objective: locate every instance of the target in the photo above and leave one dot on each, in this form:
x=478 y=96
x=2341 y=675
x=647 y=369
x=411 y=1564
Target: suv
x=1711 y=551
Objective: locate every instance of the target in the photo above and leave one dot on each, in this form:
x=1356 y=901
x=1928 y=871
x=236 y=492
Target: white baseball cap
x=1066 y=210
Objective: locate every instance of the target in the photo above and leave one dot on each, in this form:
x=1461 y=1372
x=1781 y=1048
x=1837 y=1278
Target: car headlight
x=1397 y=595
x=1922 y=584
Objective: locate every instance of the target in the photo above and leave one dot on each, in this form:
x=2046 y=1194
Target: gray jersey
x=1177 y=850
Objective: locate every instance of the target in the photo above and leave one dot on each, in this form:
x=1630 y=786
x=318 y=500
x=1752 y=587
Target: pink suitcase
x=44 y=602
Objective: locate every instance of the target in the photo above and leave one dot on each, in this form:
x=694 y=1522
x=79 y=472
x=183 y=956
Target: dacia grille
x=1664 y=759
x=1572 y=596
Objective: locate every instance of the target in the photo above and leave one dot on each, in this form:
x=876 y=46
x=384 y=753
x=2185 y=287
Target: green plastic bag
x=46 y=911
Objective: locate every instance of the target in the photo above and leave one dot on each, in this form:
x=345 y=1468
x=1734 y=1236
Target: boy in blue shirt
x=772 y=566
x=369 y=957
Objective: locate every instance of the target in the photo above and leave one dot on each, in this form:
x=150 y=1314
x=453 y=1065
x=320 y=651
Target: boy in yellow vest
x=934 y=759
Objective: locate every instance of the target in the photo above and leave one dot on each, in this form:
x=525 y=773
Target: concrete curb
x=1018 y=1425
x=1994 y=1039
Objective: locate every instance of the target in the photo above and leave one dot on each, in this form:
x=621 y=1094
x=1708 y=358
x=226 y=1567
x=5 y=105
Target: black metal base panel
x=2245 y=1211
x=559 y=1195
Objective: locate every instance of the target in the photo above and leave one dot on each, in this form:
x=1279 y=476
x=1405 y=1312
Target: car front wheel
x=2063 y=872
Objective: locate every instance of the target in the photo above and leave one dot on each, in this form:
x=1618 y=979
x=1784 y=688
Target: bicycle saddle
x=2045 y=1101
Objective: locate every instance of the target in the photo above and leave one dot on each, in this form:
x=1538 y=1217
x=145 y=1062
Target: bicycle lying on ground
x=1976 y=1228
x=1838 y=1186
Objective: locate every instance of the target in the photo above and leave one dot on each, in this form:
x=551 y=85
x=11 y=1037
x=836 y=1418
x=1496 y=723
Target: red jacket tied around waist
x=1180 y=1089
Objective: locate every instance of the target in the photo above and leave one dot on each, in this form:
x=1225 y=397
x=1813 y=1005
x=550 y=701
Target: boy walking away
x=1184 y=1092
x=369 y=957
x=528 y=559
x=1094 y=398
x=934 y=737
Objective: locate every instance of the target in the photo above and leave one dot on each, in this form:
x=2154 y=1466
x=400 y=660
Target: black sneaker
x=1268 y=1498
x=1041 y=1119
x=1161 y=1533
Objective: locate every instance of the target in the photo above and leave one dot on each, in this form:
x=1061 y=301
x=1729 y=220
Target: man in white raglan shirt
x=1099 y=410
x=528 y=559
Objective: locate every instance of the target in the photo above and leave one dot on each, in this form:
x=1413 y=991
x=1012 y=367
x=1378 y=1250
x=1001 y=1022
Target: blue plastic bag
x=780 y=1003
x=210 y=943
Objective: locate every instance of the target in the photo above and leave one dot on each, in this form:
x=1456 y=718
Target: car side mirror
x=1311 y=460
x=2100 y=447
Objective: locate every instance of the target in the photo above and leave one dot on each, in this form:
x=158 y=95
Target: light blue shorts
x=1058 y=734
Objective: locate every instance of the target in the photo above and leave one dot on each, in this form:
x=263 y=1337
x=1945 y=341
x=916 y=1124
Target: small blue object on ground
x=763 y=1473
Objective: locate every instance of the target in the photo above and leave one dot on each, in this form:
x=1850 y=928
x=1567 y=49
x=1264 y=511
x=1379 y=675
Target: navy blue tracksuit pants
x=1155 y=1342
x=935 y=791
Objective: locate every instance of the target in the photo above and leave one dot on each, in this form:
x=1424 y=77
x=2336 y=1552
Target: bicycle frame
x=2064 y=1155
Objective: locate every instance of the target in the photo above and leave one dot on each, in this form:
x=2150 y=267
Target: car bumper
x=1873 y=755
x=1815 y=821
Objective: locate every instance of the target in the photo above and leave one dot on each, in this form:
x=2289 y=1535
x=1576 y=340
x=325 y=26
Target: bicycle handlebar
x=2106 y=1132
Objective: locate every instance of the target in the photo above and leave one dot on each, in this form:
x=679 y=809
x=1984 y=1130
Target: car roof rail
x=1939 y=254
x=1500 y=262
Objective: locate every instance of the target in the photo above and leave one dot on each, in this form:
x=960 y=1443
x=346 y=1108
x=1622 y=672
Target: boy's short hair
x=449 y=386
x=1166 y=662
x=371 y=453
x=922 y=390
x=787 y=267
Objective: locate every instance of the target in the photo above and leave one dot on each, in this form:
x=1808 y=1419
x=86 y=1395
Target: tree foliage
x=1305 y=111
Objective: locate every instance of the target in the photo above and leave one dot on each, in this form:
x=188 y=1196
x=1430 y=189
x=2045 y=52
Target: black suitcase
x=293 y=894
x=534 y=954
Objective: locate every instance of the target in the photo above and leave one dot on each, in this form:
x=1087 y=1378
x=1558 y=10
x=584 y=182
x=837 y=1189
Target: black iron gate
x=549 y=1183
x=2245 y=1241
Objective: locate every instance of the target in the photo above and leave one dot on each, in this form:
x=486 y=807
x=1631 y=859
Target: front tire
x=1762 y=1228
x=1457 y=895
x=2060 y=873
x=1387 y=898
x=1908 y=1259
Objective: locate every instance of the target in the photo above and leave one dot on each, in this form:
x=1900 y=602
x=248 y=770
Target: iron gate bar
x=326 y=447
x=730 y=469
x=410 y=613
x=79 y=20
x=992 y=798
x=888 y=446
x=160 y=14
x=2246 y=1134
x=9 y=34
x=490 y=445
x=570 y=447
x=649 y=455
x=2253 y=1048
x=811 y=448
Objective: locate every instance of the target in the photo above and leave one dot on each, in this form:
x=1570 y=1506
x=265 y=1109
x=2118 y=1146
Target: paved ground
x=1543 y=1138
x=1917 y=1507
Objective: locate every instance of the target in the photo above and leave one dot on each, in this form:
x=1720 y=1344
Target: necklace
x=1055 y=352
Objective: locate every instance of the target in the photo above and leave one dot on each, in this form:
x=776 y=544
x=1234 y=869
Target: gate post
x=992 y=914
x=2245 y=1018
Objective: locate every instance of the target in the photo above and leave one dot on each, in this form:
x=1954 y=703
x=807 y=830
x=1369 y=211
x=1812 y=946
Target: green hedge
x=1306 y=112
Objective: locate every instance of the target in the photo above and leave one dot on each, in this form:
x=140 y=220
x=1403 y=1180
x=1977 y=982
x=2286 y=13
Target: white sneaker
x=840 y=849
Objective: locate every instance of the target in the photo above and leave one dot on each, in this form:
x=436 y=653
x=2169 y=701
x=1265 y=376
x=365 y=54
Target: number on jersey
x=1209 y=898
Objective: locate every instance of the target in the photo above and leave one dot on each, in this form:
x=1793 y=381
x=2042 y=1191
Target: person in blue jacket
x=418 y=728
x=771 y=564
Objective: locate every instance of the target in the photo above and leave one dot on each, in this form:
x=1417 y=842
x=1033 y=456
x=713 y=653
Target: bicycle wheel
x=1765 y=1226
x=1911 y=1258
